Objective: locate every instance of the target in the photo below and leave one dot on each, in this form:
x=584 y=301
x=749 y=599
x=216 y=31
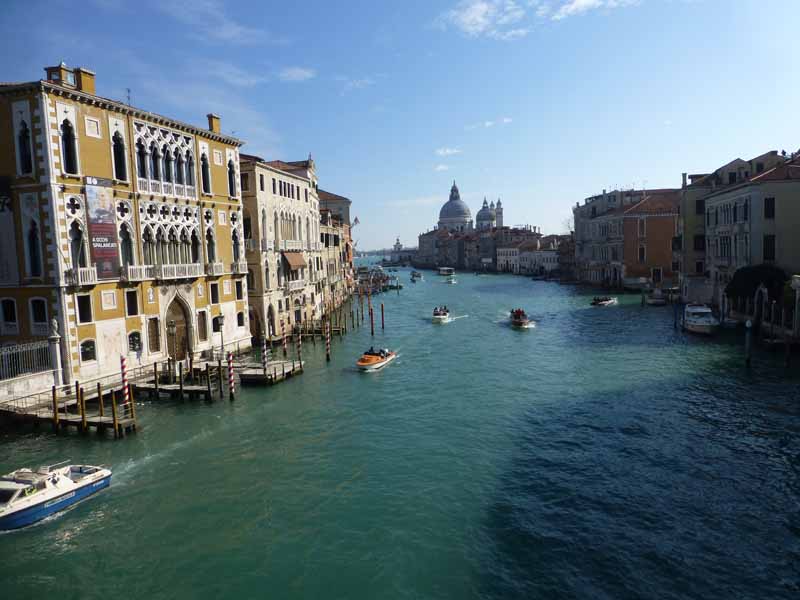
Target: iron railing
x=24 y=359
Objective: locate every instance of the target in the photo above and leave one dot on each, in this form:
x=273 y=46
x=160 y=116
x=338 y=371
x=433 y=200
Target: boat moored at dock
x=699 y=318
x=28 y=496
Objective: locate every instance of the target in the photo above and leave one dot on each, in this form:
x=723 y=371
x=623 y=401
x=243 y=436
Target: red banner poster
x=102 y=227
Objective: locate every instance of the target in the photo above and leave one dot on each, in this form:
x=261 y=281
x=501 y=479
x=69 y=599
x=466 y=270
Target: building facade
x=120 y=229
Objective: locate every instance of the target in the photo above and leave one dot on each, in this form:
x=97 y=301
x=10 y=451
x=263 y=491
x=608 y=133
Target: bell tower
x=499 y=211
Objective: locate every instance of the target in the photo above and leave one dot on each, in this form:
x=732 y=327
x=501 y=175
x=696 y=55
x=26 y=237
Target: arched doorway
x=178 y=344
x=271 y=321
x=255 y=324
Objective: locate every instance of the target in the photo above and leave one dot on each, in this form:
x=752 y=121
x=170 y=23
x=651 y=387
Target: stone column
x=55 y=352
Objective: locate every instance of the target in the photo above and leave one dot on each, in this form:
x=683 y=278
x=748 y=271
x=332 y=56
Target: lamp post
x=222 y=333
x=171 y=329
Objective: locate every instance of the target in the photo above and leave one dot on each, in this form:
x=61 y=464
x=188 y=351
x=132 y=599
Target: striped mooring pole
x=231 y=385
x=328 y=342
x=283 y=336
x=264 y=355
x=300 y=349
x=126 y=392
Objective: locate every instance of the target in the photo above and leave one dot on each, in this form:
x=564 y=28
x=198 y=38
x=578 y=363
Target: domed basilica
x=456 y=216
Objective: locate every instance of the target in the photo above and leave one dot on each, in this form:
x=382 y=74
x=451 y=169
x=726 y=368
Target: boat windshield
x=6 y=495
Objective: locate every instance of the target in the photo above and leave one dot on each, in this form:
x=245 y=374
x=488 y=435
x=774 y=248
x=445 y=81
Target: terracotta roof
x=658 y=203
x=288 y=166
x=529 y=245
x=330 y=196
x=787 y=170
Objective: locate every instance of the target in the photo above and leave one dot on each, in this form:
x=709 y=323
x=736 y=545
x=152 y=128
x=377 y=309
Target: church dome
x=455 y=210
x=485 y=213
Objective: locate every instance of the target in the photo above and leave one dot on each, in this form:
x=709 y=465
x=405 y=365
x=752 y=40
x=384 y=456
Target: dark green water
x=600 y=455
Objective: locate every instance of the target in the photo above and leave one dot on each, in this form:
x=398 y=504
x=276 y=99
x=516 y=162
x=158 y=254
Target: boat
x=446 y=271
x=656 y=298
x=519 y=319
x=28 y=496
x=375 y=360
x=441 y=315
x=698 y=318
x=603 y=301
x=416 y=276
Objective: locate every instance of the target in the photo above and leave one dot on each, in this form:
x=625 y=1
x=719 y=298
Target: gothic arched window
x=211 y=250
x=120 y=172
x=69 y=151
x=180 y=168
x=24 y=142
x=205 y=174
x=186 y=249
x=167 y=164
x=174 y=248
x=195 y=248
x=77 y=246
x=162 y=248
x=231 y=179
x=141 y=160
x=126 y=245
x=189 y=168
x=236 y=249
x=34 y=250
x=149 y=247
x=155 y=163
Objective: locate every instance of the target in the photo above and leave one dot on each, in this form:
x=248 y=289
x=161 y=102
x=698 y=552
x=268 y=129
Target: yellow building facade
x=121 y=230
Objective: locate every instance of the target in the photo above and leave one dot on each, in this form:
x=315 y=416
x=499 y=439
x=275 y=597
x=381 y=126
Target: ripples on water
x=600 y=454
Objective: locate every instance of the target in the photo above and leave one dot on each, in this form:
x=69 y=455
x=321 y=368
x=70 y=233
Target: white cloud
x=296 y=74
x=441 y=168
x=506 y=120
x=210 y=20
x=573 y=8
x=350 y=84
x=231 y=74
x=489 y=18
x=448 y=151
x=488 y=123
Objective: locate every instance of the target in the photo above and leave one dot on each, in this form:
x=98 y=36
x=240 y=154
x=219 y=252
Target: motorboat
x=603 y=301
x=375 y=360
x=698 y=318
x=450 y=279
x=656 y=298
x=446 y=271
x=416 y=276
x=28 y=496
x=441 y=315
x=519 y=319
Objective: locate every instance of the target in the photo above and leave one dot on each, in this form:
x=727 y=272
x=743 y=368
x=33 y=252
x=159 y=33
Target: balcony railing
x=291 y=245
x=178 y=189
x=40 y=329
x=239 y=268
x=166 y=188
x=294 y=286
x=179 y=271
x=267 y=245
x=189 y=191
x=155 y=187
x=82 y=276
x=137 y=272
x=215 y=269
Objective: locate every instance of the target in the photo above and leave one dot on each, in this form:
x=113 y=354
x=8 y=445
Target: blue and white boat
x=27 y=496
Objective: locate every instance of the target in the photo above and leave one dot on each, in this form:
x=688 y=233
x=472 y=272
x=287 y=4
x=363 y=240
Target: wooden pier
x=276 y=371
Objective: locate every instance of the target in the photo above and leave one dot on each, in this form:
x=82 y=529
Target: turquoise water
x=600 y=454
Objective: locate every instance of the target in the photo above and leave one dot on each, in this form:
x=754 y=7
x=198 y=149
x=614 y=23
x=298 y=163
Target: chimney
x=684 y=180
x=84 y=80
x=213 y=123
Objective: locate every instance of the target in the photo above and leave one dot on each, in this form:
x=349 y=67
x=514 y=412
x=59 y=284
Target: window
x=211 y=251
x=676 y=266
x=24 y=149
x=9 y=309
x=88 y=351
x=699 y=207
x=274 y=190
x=134 y=341
x=155 y=162
x=125 y=245
x=240 y=288
x=205 y=174
x=245 y=182
x=202 y=325
x=195 y=248
x=69 y=152
x=84 y=303
x=34 y=250
x=656 y=274
x=168 y=171
x=261 y=182
x=189 y=168
x=216 y=325
x=153 y=335
x=120 y=170
x=699 y=243
x=132 y=303
x=240 y=319
x=180 y=168
x=769 y=247
x=306 y=191
x=236 y=246
x=214 y=287
x=731 y=178
x=769 y=208
x=231 y=179
x=698 y=267
x=759 y=167
x=141 y=160
x=641 y=254
x=39 y=311
x=77 y=246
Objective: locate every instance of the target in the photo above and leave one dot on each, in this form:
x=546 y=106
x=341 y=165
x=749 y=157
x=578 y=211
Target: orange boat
x=375 y=360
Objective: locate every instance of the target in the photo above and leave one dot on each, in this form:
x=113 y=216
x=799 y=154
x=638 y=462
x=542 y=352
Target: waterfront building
x=752 y=222
x=566 y=257
x=282 y=235
x=539 y=257
x=121 y=230
x=648 y=229
x=690 y=243
x=508 y=257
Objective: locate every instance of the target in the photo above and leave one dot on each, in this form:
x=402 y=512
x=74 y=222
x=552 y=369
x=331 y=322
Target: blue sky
x=541 y=103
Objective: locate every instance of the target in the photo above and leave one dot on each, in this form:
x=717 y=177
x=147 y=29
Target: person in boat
x=371 y=351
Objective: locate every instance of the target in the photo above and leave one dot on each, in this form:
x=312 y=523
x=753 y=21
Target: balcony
x=296 y=286
x=239 y=268
x=82 y=276
x=180 y=271
x=291 y=245
x=137 y=272
x=40 y=329
x=267 y=245
x=178 y=189
x=215 y=269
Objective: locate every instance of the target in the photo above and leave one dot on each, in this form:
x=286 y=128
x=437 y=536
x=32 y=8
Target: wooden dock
x=276 y=371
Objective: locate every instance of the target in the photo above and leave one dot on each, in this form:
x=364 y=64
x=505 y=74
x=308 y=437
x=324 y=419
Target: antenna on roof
x=128 y=90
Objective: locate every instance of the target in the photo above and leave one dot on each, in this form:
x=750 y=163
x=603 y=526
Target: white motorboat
x=441 y=315
x=698 y=318
x=604 y=301
x=28 y=496
x=446 y=271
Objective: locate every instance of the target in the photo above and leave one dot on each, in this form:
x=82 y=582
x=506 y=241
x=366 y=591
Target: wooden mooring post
x=748 y=342
x=82 y=408
x=208 y=383
x=180 y=380
x=55 y=408
x=155 y=376
x=382 y=319
x=114 y=417
x=219 y=372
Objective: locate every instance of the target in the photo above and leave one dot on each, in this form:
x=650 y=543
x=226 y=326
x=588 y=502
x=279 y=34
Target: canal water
x=601 y=454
